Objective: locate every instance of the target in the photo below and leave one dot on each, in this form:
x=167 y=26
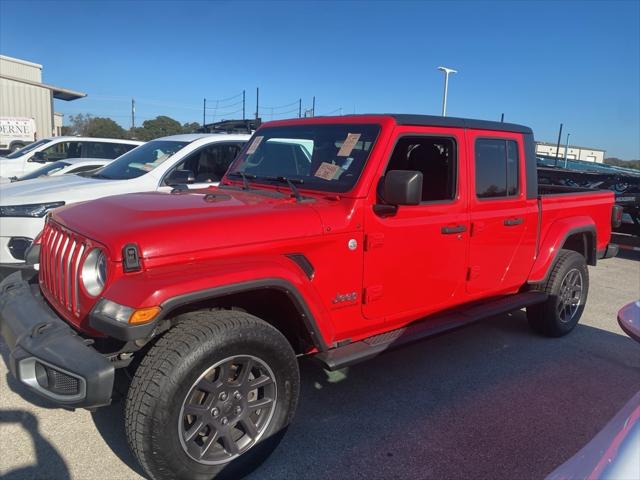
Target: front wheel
x=213 y=397
x=567 y=287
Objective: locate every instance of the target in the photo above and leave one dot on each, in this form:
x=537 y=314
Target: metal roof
x=58 y=92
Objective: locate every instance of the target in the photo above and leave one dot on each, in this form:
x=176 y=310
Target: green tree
x=158 y=127
x=78 y=124
x=191 y=127
x=104 y=127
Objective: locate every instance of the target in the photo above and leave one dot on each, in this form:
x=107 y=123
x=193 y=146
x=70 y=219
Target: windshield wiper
x=290 y=182
x=245 y=182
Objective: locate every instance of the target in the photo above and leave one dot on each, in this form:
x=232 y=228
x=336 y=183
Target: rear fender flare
x=553 y=242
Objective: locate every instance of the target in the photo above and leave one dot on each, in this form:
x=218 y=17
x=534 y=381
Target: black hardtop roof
x=435 y=121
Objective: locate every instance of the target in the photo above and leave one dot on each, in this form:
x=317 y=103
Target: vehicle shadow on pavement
x=47 y=458
x=629 y=255
x=489 y=401
x=110 y=424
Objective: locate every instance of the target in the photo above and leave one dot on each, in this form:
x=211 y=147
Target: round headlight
x=94 y=272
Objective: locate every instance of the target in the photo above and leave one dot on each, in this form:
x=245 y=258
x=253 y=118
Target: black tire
x=15 y=146
x=165 y=385
x=560 y=313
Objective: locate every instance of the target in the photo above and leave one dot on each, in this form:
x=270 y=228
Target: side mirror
x=402 y=187
x=39 y=157
x=180 y=177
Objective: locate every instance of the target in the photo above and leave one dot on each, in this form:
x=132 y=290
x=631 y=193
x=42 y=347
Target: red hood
x=166 y=224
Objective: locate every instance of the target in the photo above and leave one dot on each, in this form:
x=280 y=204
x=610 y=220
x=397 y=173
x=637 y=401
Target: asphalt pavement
x=490 y=401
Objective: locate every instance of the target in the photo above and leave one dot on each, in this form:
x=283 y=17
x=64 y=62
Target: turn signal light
x=144 y=315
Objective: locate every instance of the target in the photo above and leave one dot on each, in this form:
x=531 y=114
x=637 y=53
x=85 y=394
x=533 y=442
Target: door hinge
x=373 y=293
x=374 y=240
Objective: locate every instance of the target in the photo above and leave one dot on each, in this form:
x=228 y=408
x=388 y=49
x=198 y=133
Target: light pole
x=566 y=149
x=446 y=71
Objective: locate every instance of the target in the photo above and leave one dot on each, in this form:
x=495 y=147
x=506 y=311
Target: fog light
x=18 y=247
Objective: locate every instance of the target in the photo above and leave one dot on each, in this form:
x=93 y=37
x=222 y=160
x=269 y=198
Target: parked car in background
x=49 y=150
x=61 y=167
x=332 y=237
x=195 y=160
x=614 y=453
x=16 y=132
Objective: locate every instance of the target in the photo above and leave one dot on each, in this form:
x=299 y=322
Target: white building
x=22 y=94
x=574 y=152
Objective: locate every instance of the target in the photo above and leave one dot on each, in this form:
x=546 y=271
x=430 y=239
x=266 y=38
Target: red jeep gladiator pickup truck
x=335 y=237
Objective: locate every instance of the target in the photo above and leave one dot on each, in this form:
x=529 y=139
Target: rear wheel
x=15 y=146
x=567 y=287
x=212 y=398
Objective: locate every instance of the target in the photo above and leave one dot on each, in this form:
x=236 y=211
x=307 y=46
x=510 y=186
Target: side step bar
x=352 y=353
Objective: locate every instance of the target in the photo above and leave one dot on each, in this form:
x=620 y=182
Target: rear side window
x=496 y=168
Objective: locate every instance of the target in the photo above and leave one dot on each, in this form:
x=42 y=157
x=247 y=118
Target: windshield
x=28 y=148
x=319 y=157
x=48 y=169
x=140 y=160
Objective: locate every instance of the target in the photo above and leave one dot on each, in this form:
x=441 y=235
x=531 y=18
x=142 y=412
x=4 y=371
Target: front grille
x=60 y=257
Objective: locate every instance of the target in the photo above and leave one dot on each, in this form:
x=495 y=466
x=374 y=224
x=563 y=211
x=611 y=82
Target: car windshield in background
x=48 y=169
x=27 y=149
x=140 y=160
x=318 y=157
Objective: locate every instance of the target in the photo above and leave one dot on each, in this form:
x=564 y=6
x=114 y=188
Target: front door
x=415 y=260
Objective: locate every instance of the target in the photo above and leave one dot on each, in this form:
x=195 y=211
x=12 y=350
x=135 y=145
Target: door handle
x=512 y=222
x=453 y=230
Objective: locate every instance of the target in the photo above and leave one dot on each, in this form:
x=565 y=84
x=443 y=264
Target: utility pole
x=204 y=113
x=502 y=118
x=133 y=114
x=566 y=149
x=243 y=103
x=447 y=71
x=257 y=102
x=313 y=107
x=558 y=146
x=299 y=108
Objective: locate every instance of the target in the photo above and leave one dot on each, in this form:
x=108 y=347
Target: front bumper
x=48 y=356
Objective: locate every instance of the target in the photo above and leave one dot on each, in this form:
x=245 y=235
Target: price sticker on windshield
x=327 y=171
x=349 y=144
x=254 y=145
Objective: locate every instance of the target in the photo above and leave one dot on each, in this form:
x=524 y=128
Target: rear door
x=503 y=221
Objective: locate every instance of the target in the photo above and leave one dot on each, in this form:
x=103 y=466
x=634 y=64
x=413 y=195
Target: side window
x=106 y=149
x=435 y=157
x=209 y=164
x=98 y=150
x=496 y=168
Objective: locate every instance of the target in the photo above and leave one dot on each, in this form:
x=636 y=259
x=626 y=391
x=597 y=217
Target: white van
x=16 y=132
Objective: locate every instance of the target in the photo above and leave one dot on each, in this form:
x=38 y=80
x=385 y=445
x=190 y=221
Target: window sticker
x=254 y=145
x=327 y=171
x=349 y=144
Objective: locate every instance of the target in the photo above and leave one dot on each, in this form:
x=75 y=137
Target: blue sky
x=539 y=63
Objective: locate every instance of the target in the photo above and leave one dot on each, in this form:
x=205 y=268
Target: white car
x=198 y=160
x=61 y=167
x=47 y=150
